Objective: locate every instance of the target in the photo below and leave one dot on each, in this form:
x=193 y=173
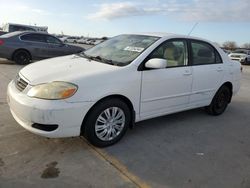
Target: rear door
x=208 y=72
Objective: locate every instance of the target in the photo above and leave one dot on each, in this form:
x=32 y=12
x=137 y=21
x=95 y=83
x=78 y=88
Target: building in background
x=10 y=27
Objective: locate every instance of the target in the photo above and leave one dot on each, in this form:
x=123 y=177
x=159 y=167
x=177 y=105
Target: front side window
x=121 y=50
x=52 y=40
x=175 y=52
x=203 y=53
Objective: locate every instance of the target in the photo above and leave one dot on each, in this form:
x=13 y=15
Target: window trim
x=203 y=42
x=142 y=67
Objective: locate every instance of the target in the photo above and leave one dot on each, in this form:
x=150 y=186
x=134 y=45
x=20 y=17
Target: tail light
x=1 y=42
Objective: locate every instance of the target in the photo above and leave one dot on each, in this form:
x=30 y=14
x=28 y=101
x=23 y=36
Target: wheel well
x=21 y=49
x=230 y=86
x=121 y=97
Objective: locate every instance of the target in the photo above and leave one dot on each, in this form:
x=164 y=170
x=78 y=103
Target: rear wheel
x=220 y=101
x=22 y=57
x=107 y=123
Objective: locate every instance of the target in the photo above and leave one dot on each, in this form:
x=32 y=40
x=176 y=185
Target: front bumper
x=28 y=111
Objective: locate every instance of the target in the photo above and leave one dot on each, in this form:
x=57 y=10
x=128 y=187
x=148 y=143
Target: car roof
x=170 y=35
x=16 y=33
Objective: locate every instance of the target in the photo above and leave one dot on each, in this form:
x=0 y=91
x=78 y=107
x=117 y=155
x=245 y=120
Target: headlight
x=53 y=90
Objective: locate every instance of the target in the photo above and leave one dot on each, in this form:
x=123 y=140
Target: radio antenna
x=194 y=26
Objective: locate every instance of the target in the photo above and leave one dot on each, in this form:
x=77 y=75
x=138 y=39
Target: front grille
x=20 y=83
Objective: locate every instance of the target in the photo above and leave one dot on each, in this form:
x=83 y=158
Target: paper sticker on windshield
x=134 y=49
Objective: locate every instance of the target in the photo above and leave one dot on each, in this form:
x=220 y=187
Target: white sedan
x=129 y=78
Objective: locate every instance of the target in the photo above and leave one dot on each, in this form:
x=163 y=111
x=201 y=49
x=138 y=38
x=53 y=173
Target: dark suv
x=22 y=47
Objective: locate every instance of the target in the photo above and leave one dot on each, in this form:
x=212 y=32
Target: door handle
x=219 y=69
x=187 y=73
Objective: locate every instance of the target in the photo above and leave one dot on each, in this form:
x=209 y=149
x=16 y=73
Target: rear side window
x=33 y=38
x=203 y=54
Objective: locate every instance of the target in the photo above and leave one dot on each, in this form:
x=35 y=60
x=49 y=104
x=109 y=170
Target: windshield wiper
x=82 y=54
x=99 y=59
x=104 y=60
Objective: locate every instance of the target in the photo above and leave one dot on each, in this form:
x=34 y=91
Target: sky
x=217 y=20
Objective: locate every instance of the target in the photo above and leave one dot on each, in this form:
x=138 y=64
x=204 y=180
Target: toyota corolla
x=103 y=91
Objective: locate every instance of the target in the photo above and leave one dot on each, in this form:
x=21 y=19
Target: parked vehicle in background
x=2 y=33
x=82 y=41
x=97 y=42
x=89 y=42
x=71 y=39
x=243 y=56
x=11 y=27
x=226 y=51
x=22 y=47
x=62 y=38
x=126 y=79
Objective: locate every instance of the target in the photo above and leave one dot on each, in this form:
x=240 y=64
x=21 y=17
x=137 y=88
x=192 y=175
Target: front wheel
x=219 y=102
x=107 y=123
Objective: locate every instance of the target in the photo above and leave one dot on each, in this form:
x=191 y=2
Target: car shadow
x=6 y=61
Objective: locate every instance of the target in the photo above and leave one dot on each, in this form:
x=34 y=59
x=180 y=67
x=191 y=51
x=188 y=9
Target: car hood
x=67 y=68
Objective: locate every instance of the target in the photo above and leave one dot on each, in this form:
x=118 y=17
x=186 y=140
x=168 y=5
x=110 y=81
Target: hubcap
x=110 y=124
x=23 y=58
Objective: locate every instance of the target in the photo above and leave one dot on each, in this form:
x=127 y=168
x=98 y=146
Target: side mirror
x=156 y=63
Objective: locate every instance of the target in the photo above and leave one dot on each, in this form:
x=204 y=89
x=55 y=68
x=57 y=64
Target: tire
x=22 y=57
x=245 y=62
x=219 y=102
x=101 y=129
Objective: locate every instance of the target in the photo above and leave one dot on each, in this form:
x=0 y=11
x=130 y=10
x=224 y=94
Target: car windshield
x=120 y=50
x=240 y=52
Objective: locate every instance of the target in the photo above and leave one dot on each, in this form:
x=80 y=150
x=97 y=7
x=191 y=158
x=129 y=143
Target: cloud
x=116 y=10
x=40 y=11
x=22 y=8
x=193 y=10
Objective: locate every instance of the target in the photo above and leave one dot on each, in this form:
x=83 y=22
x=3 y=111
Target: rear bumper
x=5 y=52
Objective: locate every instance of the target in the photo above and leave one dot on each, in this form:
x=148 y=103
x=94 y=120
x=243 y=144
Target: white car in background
x=243 y=56
x=82 y=41
x=71 y=39
x=97 y=42
x=103 y=91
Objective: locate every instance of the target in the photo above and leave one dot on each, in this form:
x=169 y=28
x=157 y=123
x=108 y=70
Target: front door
x=167 y=90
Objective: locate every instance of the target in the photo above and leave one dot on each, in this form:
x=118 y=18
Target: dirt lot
x=188 y=149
